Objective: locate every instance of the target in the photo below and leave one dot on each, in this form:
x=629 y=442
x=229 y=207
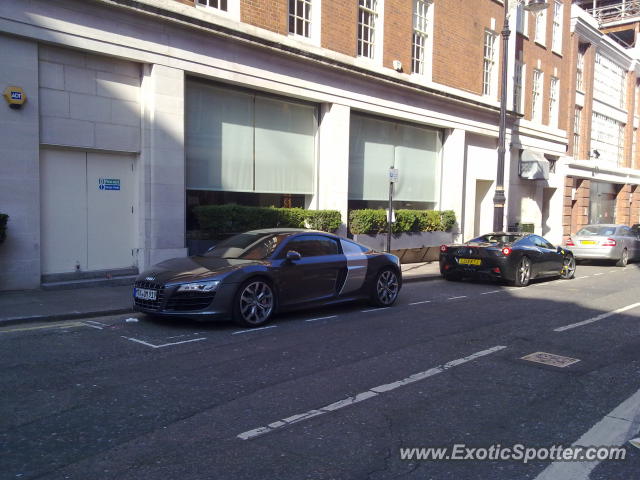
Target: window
x=556 y=41
x=609 y=82
x=607 y=137
x=420 y=35
x=311 y=246
x=577 y=121
x=522 y=20
x=541 y=27
x=219 y=4
x=554 y=93
x=582 y=50
x=489 y=62
x=367 y=17
x=518 y=78
x=542 y=243
x=536 y=101
x=300 y=17
x=375 y=145
x=240 y=141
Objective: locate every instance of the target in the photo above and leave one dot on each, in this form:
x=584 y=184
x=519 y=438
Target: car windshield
x=498 y=238
x=595 y=230
x=247 y=246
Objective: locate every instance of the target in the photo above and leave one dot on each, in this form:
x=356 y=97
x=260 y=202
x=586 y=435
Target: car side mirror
x=293 y=256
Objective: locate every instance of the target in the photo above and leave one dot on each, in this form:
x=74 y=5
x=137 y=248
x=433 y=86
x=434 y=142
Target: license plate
x=587 y=242
x=469 y=261
x=145 y=294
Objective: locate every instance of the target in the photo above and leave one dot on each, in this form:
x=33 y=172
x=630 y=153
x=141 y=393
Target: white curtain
x=242 y=142
x=376 y=145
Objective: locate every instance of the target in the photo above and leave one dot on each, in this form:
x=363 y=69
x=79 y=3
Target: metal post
x=390 y=216
x=499 y=198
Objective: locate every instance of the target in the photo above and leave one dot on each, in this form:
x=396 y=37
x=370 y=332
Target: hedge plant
x=3 y=226
x=370 y=221
x=224 y=219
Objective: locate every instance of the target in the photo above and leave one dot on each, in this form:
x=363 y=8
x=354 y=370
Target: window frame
x=537 y=93
x=232 y=11
x=373 y=10
x=556 y=31
x=422 y=38
x=554 y=101
x=489 y=63
x=519 y=81
x=540 y=36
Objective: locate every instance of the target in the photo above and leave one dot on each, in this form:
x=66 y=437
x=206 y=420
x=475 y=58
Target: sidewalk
x=49 y=305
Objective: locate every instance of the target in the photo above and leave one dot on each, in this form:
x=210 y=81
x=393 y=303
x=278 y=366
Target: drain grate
x=550 y=359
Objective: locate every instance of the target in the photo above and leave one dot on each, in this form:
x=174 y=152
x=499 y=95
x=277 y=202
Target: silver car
x=605 y=242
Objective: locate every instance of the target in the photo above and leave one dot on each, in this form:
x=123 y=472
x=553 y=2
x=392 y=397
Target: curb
x=63 y=316
x=421 y=278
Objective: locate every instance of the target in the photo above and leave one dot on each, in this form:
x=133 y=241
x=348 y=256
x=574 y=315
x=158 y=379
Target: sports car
x=514 y=257
x=253 y=275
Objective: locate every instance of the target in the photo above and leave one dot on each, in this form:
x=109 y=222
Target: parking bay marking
x=613 y=430
x=151 y=345
x=372 y=392
x=595 y=319
x=253 y=330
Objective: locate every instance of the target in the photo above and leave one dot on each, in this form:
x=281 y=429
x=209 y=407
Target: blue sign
x=16 y=95
x=109 y=183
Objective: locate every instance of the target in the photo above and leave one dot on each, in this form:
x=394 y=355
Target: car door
x=315 y=275
x=550 y=260
x=631 y=242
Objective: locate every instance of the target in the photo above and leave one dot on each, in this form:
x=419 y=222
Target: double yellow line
x=58 y=325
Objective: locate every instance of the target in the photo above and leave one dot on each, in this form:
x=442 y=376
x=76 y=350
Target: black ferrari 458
x=513 y=257
x=250 y=276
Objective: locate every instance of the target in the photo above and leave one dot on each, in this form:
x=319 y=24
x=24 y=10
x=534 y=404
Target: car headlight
x=208 y=286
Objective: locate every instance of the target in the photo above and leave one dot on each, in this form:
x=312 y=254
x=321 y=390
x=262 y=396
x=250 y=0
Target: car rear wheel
x=254 y=303
x=624 y=259
x=523 y=273
x=386 y=288
x=568 y=267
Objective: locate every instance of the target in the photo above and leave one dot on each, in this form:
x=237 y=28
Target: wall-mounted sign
x=109 y=183
x=15 y=96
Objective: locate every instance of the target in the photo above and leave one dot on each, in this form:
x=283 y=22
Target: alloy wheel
x=624 y=259
x=387 y=287
x=523 y=274
x=256 y=302
x=568 y=267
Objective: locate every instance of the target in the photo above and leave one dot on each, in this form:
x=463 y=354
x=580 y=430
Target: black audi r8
x=250 y=276
x=513 y=257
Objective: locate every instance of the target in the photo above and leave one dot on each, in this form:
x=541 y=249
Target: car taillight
x=444 y=248
x=609 y=242
x=506 y=251
x=570 y=243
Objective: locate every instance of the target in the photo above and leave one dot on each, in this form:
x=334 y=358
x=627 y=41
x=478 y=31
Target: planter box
x=409 y=247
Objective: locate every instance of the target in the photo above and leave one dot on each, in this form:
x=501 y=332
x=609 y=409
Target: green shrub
x=375 y=221
x=325 y=220
x=217 y=220
x=367 y=220
x=3 y=226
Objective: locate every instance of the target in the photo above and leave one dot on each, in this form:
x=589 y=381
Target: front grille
x=189 y=301
x=150 y=304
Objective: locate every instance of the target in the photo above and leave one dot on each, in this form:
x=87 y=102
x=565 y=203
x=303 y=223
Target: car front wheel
x=386 y=288
x=568 y=267
x=254 y=303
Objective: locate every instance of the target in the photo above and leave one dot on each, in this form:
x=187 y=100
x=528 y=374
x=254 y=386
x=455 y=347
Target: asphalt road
x=334 y=393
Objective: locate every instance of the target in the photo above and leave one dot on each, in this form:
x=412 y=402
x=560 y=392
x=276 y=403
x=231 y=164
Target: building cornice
x=194 y=18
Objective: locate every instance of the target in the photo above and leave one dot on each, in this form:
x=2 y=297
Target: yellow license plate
x=469 y=261
x=587 y=242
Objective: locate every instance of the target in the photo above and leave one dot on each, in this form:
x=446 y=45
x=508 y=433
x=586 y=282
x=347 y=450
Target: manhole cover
x=550 y=359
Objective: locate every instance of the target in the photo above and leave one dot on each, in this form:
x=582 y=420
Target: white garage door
x=87 y=211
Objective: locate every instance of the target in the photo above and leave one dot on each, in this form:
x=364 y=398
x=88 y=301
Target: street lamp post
x=499 y=198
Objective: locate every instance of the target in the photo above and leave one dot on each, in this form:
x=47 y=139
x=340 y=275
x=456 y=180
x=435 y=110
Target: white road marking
x=420 y=303
x=492 y=291
x=596 y=274
x=165 y=344
x=374 y=309
x=595 y=319
x=253 y=330
x=373 y=392
x=321 y=318
x=455 y=298
x=97 y=323
x=613 y=430
x=87 y=324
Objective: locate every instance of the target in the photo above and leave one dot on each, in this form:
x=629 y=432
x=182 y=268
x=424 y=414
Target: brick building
x=140 y=110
